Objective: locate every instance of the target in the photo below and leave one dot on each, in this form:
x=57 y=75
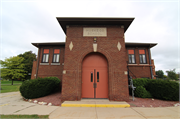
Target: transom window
x=131 y=56
x=45 y=58
x=56 y=55
x=142 y=56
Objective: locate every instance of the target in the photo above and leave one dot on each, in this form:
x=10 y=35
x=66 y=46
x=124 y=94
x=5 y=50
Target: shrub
x=160 y=89
x=39 y=87
x=164 y=89
x=142 y=92
x=140 y=82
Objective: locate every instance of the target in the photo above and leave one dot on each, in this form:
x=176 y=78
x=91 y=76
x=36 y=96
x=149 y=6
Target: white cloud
x=35 y=21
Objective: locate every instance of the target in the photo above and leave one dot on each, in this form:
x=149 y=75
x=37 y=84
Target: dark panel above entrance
x=64 y=21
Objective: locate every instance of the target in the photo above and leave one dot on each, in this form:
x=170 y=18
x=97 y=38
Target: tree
x=12 y=68
x=165 y=76
x=29 y=57
x=160 y=73
x=178 y=75
x=172 y=74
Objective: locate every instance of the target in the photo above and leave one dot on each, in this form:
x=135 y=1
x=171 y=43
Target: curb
x=96 y=105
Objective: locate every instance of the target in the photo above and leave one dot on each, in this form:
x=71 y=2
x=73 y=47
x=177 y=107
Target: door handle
x=94 y=85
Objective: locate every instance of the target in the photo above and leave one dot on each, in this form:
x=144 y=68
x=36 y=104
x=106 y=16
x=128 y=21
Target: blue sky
x=28 y=21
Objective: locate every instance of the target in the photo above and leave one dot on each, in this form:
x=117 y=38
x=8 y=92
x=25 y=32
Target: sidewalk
x=12 y=103
x=115 y=113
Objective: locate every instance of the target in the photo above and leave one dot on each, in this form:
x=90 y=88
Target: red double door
x=94 y=76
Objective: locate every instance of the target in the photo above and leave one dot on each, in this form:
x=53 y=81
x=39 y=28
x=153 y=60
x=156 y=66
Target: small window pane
x=54 y=58
x=57 y=58
x=47 y=57
x=129 y=58
x=44 y=58
x=141 y=59
x=133 y=60
x=144 y=58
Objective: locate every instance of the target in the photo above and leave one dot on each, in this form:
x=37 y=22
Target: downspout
x=37 y=64
x=150 y=63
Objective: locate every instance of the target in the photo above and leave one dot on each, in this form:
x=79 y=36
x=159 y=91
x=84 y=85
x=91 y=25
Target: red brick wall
x=50 y=70
x=117 y=61
x=33 y=74
x=138 y=70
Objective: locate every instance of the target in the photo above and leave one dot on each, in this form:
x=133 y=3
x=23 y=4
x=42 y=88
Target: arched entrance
x=95 y=76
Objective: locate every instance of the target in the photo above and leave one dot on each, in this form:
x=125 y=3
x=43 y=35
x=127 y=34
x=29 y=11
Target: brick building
x=95 y=61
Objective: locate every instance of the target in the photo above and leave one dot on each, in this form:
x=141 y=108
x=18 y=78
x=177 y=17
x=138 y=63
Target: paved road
x=12 y=103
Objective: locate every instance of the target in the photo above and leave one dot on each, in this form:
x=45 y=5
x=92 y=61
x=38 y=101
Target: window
x=131 y=56
x=142 y=56
x=45 y=58
x=56 y=55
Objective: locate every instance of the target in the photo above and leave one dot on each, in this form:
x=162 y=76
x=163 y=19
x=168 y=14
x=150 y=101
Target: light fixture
x=95 y=39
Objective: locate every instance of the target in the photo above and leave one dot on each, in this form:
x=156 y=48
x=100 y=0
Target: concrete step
x=95 y=103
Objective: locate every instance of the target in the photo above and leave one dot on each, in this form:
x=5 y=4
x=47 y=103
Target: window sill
x=55 y=63
x=44 y=63
x=143 y=64
x=132 y=64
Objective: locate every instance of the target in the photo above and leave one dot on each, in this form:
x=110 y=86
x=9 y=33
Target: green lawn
x=10 y=82
x=7 y=87
x=24 y=116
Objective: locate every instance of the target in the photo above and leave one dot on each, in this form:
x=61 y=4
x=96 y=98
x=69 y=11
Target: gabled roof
x=127 y=44
x=65 y=21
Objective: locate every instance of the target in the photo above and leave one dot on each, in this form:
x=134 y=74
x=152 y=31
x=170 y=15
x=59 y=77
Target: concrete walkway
x=12 y=103
x=115 y=113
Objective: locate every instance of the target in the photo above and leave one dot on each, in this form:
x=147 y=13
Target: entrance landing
x=94 y=103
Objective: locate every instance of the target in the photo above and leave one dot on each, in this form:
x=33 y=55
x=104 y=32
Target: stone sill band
x=51 y=64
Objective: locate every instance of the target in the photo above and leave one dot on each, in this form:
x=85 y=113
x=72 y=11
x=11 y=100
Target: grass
x=9 y=82
x=7 y=87
x=24 y=116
